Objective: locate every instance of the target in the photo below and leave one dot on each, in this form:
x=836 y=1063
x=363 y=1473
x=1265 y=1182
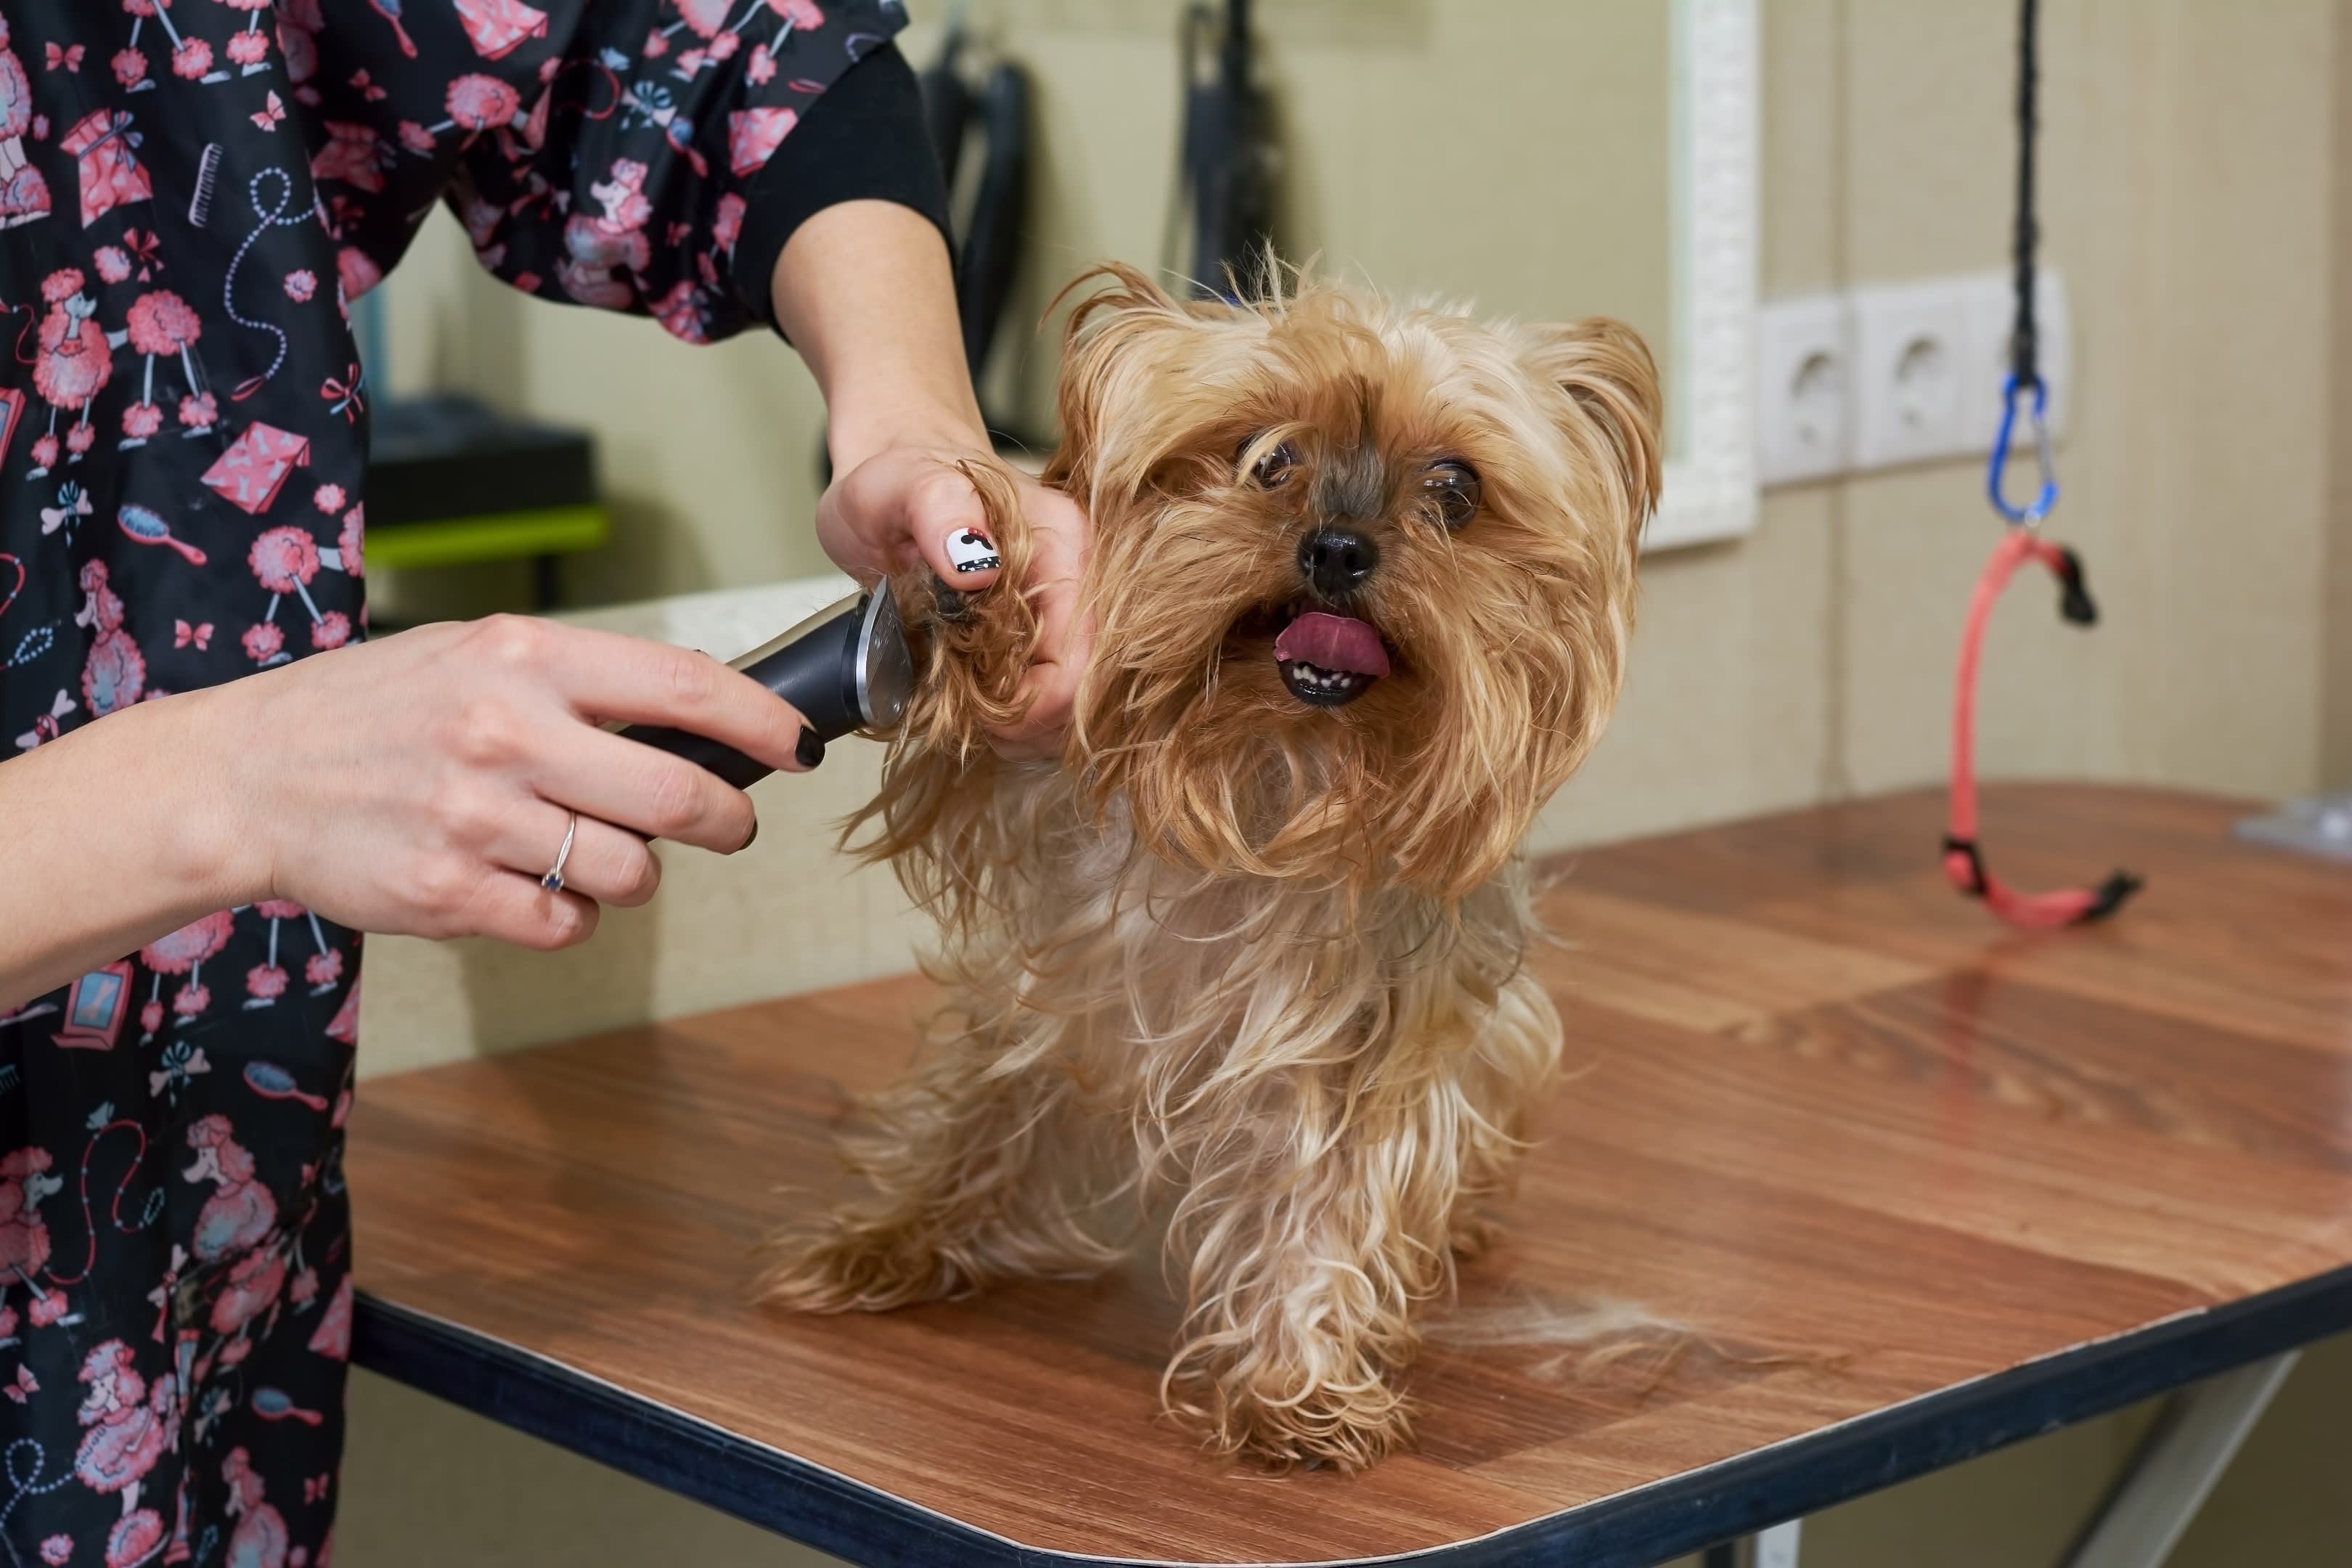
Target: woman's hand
x=911 y=502
x=422 y=783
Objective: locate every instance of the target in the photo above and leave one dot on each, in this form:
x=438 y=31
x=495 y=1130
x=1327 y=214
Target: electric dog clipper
x=846 y=668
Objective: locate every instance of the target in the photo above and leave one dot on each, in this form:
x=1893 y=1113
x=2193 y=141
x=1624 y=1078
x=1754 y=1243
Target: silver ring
x=553 y=881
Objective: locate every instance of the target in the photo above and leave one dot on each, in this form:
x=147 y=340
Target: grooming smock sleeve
x=608 y=153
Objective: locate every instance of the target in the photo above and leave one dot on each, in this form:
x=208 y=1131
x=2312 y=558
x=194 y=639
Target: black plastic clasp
x=2111 y=896
x=2025 y=345
x=2075 y=604
x=1968 y=847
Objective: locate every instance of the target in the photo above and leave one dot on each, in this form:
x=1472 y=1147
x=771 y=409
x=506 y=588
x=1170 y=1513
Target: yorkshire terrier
x=1252 y=948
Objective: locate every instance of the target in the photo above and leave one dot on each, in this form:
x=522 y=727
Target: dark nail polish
x=748 y=837
x=810 y=750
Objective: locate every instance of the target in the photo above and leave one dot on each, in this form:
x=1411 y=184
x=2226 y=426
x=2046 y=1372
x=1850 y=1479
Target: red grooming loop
x=1963 y=860
x=2025 y=392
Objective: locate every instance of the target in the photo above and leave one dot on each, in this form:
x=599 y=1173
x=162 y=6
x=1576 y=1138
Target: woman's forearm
x=865 y=292
x=110 y=836
x=865 y=289
x=423 y=784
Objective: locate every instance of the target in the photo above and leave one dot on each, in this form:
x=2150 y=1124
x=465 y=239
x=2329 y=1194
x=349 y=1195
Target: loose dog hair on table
x=1252 y=948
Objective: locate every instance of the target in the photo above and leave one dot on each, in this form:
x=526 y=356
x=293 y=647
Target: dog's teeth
x=1328 y=682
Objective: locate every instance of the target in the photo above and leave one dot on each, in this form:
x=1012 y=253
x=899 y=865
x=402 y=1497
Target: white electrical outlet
x=1992 y=308
x=1897 y=373
x=1804 y=398
x=1910 y=345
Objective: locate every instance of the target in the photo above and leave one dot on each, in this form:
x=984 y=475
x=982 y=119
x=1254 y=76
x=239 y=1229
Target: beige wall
x=2194 y=155
x=2336 y=614
x=710 y=453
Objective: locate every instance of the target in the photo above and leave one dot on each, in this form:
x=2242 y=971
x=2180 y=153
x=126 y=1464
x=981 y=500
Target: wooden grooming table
x=1920 y=1185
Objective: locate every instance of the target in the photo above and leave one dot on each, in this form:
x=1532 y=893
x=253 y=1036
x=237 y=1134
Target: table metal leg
x=2145 y=1516
x=1774 y=1548
x=2168 y=1481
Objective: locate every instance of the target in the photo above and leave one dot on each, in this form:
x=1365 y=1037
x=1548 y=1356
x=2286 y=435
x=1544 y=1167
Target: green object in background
x=498 y=536
x=452 y=483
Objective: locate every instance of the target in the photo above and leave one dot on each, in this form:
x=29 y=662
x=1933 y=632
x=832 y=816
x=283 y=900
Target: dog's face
x=1363 y=572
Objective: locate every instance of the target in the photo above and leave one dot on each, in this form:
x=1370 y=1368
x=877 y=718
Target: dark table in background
x=1920 y=1184
x=452 y=482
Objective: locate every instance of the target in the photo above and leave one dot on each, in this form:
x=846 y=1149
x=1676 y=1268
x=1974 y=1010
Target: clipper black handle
x=846 y=668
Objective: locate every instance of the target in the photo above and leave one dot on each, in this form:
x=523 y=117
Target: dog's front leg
x=977 y=1167
x=1307 y=1255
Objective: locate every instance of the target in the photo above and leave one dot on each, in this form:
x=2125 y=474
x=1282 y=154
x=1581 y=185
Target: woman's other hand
x=864 y=291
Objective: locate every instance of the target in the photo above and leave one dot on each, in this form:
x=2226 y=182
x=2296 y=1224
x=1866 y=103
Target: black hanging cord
x=1225 y=171
x=2024 y=348
x=2023 y=385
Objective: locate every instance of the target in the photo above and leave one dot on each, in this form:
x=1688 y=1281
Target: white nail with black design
x=971 y=552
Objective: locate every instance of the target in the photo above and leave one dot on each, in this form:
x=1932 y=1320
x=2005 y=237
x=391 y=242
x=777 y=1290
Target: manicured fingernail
x=748 y=837
x=809 y=751
x=969 y=549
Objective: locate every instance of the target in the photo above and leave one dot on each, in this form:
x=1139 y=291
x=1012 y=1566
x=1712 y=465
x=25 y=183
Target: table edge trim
x=546 y=1398
x=794 y=1497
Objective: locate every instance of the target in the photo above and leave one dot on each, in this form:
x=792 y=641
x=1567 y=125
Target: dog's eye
x=1453 y=488
x=1273 y=469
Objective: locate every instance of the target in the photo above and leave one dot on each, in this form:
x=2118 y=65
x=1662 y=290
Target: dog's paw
x=1330 y=1430
x=1284 y=1423
x=842 y=1268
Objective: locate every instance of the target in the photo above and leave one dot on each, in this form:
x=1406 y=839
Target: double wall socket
x=1894 y=373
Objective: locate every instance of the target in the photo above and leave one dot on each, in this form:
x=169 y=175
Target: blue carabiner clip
x=2038 y=507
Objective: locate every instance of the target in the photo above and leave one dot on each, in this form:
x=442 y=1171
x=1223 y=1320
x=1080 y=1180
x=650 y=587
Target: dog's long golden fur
x=1254 y=958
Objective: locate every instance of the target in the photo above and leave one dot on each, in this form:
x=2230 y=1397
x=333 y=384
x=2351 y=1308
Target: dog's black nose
x=1335 y=560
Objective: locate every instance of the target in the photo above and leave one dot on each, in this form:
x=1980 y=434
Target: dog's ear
x=1606 y=368
x=1130 y=385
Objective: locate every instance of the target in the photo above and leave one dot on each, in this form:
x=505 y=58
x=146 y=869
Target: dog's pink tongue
x=1332 y=642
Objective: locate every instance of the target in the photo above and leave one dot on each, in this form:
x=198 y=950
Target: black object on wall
x=988 y=221
x=1228 y=161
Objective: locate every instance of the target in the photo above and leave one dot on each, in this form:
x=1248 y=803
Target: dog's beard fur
x=1251 y=957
